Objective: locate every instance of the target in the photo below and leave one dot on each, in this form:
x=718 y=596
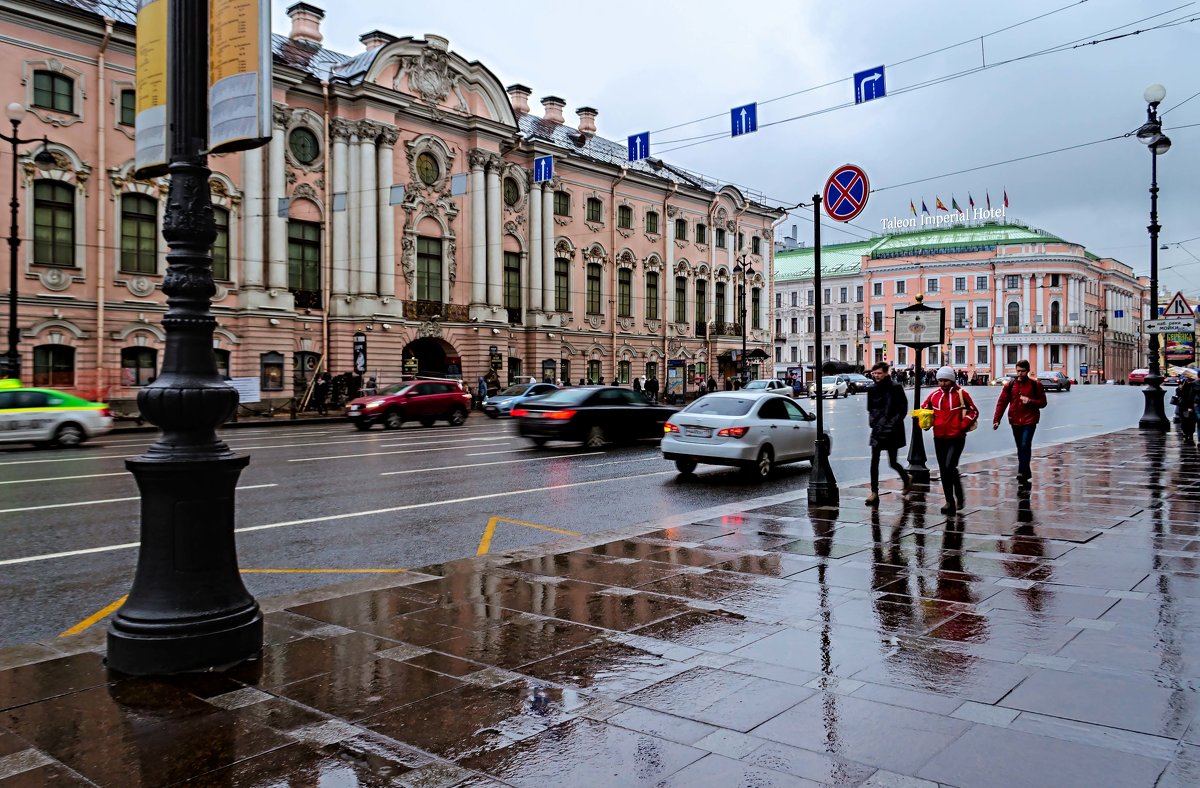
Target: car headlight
x=373 y=404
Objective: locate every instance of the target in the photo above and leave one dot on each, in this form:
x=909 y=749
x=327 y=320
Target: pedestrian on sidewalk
x=1185 y=405
x=321 y=394
x=886 y=412
x=652 y=388
x=1024 y=396
x=954 y=415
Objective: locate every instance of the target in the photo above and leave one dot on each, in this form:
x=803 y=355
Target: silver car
x=502 y=404
x=753 y=430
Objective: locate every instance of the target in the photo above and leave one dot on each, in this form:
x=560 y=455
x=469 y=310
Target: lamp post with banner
x=918 y=327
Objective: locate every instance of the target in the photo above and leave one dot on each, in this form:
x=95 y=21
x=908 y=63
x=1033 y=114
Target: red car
x=1138 y=376
x=423 y=401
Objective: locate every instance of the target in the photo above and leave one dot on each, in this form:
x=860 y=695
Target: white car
x=832 y=386
x=769 y=384
x=47 y=416
x=754 y=430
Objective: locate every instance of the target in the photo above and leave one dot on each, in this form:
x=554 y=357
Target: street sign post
x=1171 y=325
x=743 y=119
x=639 y=146
x=869 y=85
x=543 y=169
x=846 y=193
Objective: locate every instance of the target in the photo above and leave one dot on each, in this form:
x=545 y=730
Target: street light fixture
x=1154 y=416
x=16 y=113
x=746 y=269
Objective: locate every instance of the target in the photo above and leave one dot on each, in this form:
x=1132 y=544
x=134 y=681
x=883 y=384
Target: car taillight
x=669 y=427
x=733 y=432
x=518 y=412
x=105 y=412
x=560 y=415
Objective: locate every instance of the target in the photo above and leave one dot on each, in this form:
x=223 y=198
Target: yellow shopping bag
x=924 y=417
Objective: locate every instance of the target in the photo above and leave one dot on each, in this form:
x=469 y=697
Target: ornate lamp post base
x=822 y=486
x=1154 y=415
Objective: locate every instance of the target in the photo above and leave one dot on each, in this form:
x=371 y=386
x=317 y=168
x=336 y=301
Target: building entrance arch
x=432 y=356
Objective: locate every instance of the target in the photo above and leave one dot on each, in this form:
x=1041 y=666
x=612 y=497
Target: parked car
x=1054 y=380
x=770 y=384
x=503 y=403
x=833 y=386
x=592 y=415
x=754 y=430
x=1138 y=376
x=423 y=401
x=1000 y=381
x=49 y=417
x=856 y=383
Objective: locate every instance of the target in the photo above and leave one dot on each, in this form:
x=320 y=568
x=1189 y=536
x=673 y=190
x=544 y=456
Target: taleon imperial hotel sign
x=926 y=220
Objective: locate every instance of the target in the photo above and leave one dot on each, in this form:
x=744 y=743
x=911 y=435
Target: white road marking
x=103 y=500
x=382 y=453
x=621 y=462
x=506 y=451
x=486 y=464
x=408 y=507
x=64 y=478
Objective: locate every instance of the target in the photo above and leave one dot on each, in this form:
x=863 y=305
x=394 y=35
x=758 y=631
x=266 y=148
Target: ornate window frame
x=653 y=237
x=441 y=151
x=68 y=168
x=301 y=118
x=225 y=194
x=519 y=176
x=114 y=100
x=626 y=232
x=54 y=117
x=593 y=225
x=123 y=182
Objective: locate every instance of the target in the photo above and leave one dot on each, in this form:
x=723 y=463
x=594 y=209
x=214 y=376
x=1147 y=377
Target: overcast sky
x=653 y=65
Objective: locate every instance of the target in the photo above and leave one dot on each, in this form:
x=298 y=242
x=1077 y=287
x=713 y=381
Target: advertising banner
x=239 y=67
x=1180 y=348
x=360 y=353
x=150 y=120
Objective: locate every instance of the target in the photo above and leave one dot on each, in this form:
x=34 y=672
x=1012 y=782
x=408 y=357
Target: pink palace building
x=395 y=199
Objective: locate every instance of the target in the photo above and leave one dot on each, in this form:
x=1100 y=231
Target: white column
x=999 y=313
x=341 y=240
x=368 y=239
x=256 y=204
x=354 y=210
x=536 y=263
x=277 y=261
x=387 y=217
x=495 y=260
x=547 y=196
x=478 y=231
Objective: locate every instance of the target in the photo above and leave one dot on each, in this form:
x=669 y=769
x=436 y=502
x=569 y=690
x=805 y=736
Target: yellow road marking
x=92 y=619
x=485 y=543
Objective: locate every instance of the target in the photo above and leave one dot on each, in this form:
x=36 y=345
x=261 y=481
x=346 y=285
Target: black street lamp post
x=1154 y=416
x=12 y=359
x=822 y=485
x=746 y=270
x=188 y=609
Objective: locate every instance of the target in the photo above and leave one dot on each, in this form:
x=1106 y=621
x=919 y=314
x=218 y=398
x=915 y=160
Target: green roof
x=836 y=260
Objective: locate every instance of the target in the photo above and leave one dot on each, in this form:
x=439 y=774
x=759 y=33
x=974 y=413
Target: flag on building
x=923 y=208
x=938 y=204
x=1006 y=198
x=989 y=200
x=912 y=208
x=970 y=200
x=954 y=204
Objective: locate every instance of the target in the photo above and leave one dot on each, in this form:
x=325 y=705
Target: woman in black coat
x=887 y=412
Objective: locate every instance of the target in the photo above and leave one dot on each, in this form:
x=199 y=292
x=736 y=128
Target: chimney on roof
x=587 y=120
x=794 y=233
x=552 y=108
x=375 y=39
x=306 y=23
x=519 y=96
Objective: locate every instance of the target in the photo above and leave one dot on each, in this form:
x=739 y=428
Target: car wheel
x=362 y=426
x=595 y=437
x=493 y=415
x=69 y=436
x=458 y=418
x=393 y=420
x=685 y=467
x=763 y=466
x=426 y=422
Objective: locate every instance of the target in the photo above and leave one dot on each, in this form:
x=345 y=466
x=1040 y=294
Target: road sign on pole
x=743 y=119
x=543 y=169
x=639 y=146
x=1170 y=325
x=846 y=193
x=1178 y=307
x=869 y=85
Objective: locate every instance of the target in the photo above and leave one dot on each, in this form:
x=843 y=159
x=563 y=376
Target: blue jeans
x=1023 y=435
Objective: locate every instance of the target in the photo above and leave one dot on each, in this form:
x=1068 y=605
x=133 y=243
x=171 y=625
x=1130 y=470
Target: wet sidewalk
x=1047 y=639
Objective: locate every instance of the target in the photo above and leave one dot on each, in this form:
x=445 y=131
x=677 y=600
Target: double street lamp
x=1154 y=416
x=16 y=113
x=746 y=269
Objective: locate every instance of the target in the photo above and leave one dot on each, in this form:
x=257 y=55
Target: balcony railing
x=423 y=310
x=307 y=299
x=729 y=329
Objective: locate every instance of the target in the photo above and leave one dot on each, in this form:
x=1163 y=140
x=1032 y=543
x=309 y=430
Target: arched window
x=139 y=234
x=625 y=217
x=593 y=288
x=624 y=372
x=562 y=287
x=139 y=366
x=651 y=222
x=220 y=247
x=594 y=208
x=271 y=371
x=681 y=229
x=625 y=292
x=652 y=295
x=53 y=223
x=429 y=269
x=54 y=366
x=1055 y=316
x=1014 y=315
x=53 y=91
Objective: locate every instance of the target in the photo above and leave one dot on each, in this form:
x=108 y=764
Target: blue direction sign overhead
x=869 y=85
x=846 y=193
x=744 y=119
x=639 y=146
x=543 y=169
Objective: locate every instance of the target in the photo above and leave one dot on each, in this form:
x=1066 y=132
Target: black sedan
x=592 y=415
x=1054 y=380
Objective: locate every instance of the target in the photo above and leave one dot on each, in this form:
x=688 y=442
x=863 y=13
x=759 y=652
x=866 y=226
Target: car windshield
x=829 y=380
x=757 y=384
x=720 y=406
x=395 y=388
x=514 y=391
x=565 y=397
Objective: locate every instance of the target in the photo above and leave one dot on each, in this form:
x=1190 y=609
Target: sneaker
x=872 y=499
x=949 y=508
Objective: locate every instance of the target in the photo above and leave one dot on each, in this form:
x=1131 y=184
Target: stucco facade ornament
x=408 y=257
x=451 y=260
x=55 y=279
x=140 y=286
x=625 y=323
x=653 y=263
x=341 y=129
x=595 y=321
x=441 y=152
x=626 y=259
x=429 y=328
x=671 y=211
x=220 y=292
x=430 y=75
x=305 y=191
x=388 y=135
x=565 y=249
x=596 y=254
x=281 y=115
x=653 y=326
x=682 y=268
x=731 y=226
x=565 y=318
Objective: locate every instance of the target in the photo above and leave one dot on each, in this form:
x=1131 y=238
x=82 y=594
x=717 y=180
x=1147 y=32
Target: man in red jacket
x=1024 y=397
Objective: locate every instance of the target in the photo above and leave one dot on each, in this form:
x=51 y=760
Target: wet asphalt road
x=320 y=500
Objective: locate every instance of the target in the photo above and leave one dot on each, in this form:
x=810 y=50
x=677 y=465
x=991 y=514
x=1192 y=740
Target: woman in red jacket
x=954 y=414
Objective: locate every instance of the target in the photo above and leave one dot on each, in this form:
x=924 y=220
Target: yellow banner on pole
x=239 y=83
x=150 y=122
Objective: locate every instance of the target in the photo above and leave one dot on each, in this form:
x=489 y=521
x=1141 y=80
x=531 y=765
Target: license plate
x=697 y=432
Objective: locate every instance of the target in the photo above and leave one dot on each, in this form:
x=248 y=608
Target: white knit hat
x=945 y=373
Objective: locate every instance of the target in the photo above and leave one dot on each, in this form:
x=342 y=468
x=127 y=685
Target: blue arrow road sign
x=639 y=146
x=743 y=119
x=869 y=85
x=543 y=169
